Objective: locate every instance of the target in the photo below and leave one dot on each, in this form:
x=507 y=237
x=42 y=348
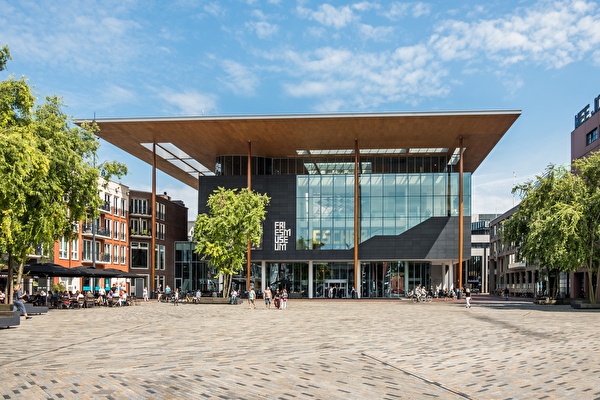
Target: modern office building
x=377 y=202
x=519 y=276
x=477 y=267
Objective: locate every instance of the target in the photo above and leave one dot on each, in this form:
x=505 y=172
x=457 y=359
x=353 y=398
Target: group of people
x=278 y=299
x=113 y=296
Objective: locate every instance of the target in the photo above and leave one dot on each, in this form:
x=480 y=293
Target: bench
x=10 y=318
x=213 y=300
x=35 y=310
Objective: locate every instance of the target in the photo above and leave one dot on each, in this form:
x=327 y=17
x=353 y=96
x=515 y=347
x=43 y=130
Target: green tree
x=558 y=221
x=222 y=235
x=47 y=178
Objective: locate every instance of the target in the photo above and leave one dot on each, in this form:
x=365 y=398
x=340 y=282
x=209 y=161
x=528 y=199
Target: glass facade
x=191 y=272
x=397 y=191
x=390 y=204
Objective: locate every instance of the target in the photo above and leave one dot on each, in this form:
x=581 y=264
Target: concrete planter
x=583 y=304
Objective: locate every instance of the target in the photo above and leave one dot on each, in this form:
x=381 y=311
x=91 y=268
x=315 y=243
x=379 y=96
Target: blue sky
x=173 y=58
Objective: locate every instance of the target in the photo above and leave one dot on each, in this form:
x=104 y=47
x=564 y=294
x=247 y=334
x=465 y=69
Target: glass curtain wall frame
x=390 y=204
x=333 y=279
x=292 y=276
x=393 y=279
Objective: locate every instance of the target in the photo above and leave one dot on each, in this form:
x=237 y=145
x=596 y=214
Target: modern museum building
x=372 y=204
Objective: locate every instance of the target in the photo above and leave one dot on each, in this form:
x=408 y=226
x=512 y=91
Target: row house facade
x=171 y=226
x=120 y=238
x=102 y=242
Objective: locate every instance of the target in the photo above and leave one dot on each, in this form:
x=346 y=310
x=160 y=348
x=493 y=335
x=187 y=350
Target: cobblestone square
x=316 y=349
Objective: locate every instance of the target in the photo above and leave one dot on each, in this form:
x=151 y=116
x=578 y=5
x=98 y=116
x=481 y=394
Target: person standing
x=145 y=293
x=284 y=299
x=468 y=297
x=176 y=297
x=277 y=298
x=506 y=293
x=251 y=297
x=18 y=301
x=268 y=296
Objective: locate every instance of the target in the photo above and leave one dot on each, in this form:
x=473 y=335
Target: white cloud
x=190 y=102
x=366 y=80
x=240 y=80
x=215 y=9
x=329 y=15
x=263 y=29
x=397 y=11
x=552 y=34
x=375 y=33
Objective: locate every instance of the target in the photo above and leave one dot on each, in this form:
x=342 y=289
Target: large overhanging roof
x=187 y=147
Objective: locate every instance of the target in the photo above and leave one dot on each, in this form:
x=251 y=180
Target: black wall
x=435 y=238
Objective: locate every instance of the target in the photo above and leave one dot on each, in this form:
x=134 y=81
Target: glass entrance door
x=339 y=286
x=372 y=279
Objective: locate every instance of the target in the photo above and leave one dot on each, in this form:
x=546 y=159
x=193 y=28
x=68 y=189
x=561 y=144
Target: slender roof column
x=356 y=216
x=460 y=215
x=248 y=262
x=153 y=227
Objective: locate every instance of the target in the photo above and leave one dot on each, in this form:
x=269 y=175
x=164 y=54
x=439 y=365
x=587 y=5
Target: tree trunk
x=9 y=280
x=591 y=289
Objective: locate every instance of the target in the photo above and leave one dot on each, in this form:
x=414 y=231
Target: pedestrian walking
x=506 y=293
x=468 y=297
x=268 y=296
x=145 y=293
x=251 y=297
x=176 y=297
x=18 y=301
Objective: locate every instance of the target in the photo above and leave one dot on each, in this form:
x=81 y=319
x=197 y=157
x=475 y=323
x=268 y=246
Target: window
x=139 y=206
x=116 y=230
x=160 y=256
x=160 y=211
x=123 y=231
x=115 y=254
x=160 y=231
x=139 y=255
x=591 y=137
x=123 y=255
x=116 y=205
x=87 y=250
x=123 y=208
x=106 y=255
x=75 y=250
x=63 y=248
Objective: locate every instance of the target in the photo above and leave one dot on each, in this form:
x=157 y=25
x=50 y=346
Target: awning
x=50 y=269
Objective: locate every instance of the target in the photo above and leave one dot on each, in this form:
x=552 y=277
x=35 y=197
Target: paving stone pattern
x=316 y=349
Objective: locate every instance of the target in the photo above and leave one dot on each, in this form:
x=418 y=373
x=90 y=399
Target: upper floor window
x=139 y=206
x=591 y=137
x=63 y=248
x=161 y=211
x=75 y=249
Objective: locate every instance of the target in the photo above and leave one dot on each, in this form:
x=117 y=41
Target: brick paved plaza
x=316 y=349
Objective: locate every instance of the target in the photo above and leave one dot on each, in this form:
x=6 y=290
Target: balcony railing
x=145 y=233
x=88 y=229
x=105 y=207
x=136 y=211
